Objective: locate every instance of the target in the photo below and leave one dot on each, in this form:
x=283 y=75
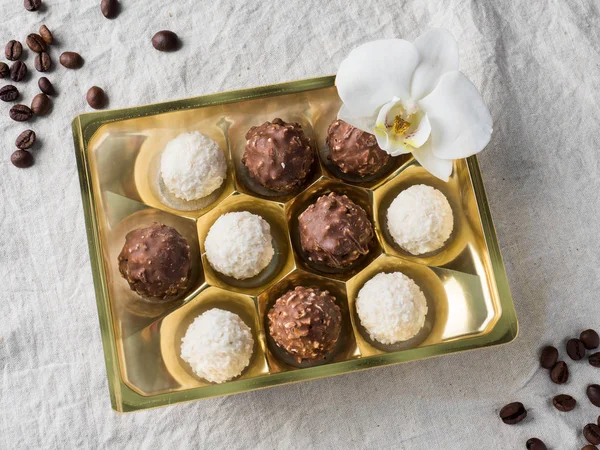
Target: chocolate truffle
x=278 y=155
x=335 y=231
x=354 y=151
x=156 y=262
x=306 y=323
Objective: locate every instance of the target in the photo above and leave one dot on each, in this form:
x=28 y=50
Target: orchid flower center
x=402 y=126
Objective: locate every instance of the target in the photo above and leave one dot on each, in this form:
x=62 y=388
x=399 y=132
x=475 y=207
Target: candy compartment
x=174 y=326
x=283 y=260
x=127 y=157
x=298 y=205
x=253 y=113
x=458 y=198
x=346 y=347
x=130 y=310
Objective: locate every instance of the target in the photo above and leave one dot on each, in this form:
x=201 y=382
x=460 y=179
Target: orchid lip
x=403 y=125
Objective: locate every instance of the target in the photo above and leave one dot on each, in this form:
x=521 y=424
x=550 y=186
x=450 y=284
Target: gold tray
x=465 y=283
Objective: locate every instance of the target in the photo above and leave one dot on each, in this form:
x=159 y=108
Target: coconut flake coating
x=239 y=245
x=192 y=166
x=306 y=323
x=156 y=262
x=278 y=155
x=335 y=231
x=217 y=345
x=354 y=151
x=420 y=219
x=391 y=307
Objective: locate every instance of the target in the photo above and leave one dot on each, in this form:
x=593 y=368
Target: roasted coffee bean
x=592 y=433
x=548 y=357
x=594 y=359
x=36 y=43
x=18 y=71
x=513 y=413
x=25 y=140
x=22 y=159
x=165 y=41
x=42 y=62
x=560 y=373
x=13 y=50
x=590 y=339
x=589 y=447
x=32 y=5
x=593 y=393
x=110 y=8
x=46 y=35
x=71 y=60
x=46 y=87
x=20 y=113
x=564 y=402
x=4 y=70
x=535 y=444
x=96 y=97
x=9 y=93
x=575 y=349
x=40 y=104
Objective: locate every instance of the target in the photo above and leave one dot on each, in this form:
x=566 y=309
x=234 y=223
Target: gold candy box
x=469 y=302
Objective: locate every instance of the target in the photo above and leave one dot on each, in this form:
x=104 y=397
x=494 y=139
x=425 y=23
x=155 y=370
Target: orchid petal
x=461 y=124
x=389 y=144
x=381 y=121
x=375 y=72
x=362 y=123
x=441 y=168
x=438 y=54
x=418 y=137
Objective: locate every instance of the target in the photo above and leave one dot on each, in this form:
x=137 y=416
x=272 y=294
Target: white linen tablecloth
x=537 y=64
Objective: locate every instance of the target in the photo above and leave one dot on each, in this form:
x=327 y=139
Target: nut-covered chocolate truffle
x=156 y=262
x=306 y=323
x=335 y=231
x=354 y=151
x=278 y=155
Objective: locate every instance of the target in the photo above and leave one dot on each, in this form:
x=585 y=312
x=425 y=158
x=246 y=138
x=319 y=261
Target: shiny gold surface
x=118 y=156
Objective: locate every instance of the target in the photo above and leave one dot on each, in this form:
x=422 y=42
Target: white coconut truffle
x=420 y=219
x=217 y=345
x=192 y=166
x=391 y=307
x=239 y=245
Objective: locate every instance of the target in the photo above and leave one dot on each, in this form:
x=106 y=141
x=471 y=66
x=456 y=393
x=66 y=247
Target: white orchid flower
x=412 y=97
